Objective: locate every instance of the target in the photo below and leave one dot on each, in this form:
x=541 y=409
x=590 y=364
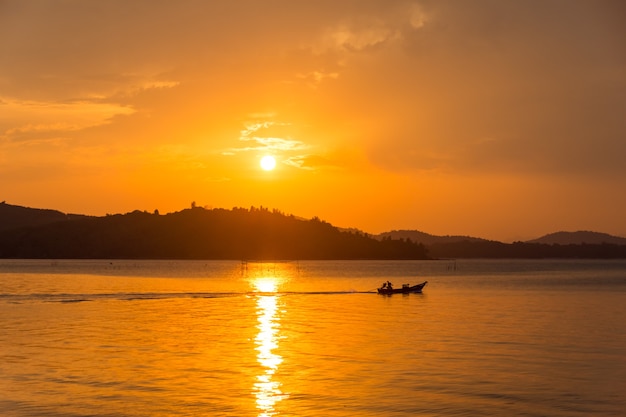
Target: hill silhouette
x=557 y=245
x=578 y=238
x=12 y=217
x=258 y=234
x=199 y=233
x=425 y=238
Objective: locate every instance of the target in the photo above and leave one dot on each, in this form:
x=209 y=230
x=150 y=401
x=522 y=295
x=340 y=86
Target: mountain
x=425 y=238
x=579 y=238
x=12 y=217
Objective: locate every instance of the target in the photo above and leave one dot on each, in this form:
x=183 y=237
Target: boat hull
x=404 y=290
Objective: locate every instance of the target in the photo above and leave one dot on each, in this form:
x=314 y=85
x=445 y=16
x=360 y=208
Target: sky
x=498 y=119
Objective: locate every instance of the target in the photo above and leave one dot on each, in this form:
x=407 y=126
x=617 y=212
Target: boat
x=405 y=289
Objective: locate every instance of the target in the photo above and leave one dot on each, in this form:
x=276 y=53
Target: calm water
x=165 y=338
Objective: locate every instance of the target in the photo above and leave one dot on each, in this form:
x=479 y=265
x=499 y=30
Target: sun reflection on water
x=267 y=389
x=266 y=284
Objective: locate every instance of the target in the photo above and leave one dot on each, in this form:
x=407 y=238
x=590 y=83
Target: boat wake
x=81 y=298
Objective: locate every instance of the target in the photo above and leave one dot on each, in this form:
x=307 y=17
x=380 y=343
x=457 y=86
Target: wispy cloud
x=253 y=127
x=267 y=143
x=37 y=117
x=314 y=78
x=363 y=32
x=308 y=162
x=275 y=144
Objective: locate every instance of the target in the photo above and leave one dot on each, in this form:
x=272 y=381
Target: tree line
x=199 y=233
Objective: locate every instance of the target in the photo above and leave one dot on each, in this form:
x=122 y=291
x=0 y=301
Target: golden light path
x=266 y=389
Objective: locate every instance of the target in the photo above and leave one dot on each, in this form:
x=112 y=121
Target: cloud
x=287 y=150
x=314 y=78
x=549 y=99
x=367 y=28
x=359 y=39
x=309 y=162
x=253 y=127
x=266 y=143
x=24 y=118
x=276 y=144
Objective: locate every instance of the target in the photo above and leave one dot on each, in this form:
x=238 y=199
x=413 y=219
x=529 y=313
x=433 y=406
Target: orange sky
x=498 y=119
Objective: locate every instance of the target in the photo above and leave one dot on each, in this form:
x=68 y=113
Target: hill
x=12 y=217
x=588 y=245
x=425 y=238
x=579 y=238
x=258 y=234
x=199 y=233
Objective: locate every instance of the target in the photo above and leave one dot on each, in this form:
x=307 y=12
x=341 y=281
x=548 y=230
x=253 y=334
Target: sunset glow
x=501 y=120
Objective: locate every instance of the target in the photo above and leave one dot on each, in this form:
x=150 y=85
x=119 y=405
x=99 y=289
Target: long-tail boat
x=405 y=289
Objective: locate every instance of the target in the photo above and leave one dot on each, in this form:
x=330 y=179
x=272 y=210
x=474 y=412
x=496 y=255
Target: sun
x=268 y=163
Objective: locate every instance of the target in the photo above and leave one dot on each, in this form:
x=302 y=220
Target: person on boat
x=389 y=285
x=384 y=285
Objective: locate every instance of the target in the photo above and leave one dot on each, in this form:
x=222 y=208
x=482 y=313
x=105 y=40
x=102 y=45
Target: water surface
x=173 y=338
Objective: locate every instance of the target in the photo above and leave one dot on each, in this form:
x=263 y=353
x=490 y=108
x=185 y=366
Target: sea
x=142 y=338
